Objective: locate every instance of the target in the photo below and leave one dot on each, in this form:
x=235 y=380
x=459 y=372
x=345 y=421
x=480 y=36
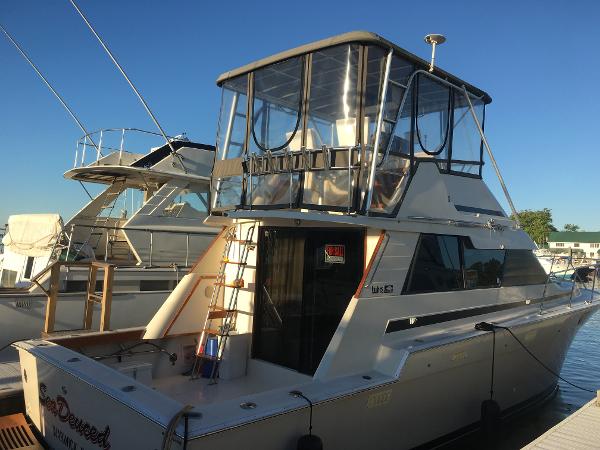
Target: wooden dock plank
x=579 y=431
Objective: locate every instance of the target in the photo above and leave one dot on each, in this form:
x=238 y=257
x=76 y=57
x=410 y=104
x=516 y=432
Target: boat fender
x=490 y=415
x=310 y=442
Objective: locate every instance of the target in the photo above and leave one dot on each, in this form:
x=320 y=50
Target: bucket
x=211 y=350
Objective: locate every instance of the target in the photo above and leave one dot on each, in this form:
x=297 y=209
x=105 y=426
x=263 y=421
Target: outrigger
x=338 y=306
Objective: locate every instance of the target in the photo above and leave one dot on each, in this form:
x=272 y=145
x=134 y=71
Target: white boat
x=362 y=248
x=147 y=220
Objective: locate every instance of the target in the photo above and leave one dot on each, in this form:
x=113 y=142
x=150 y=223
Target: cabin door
x=305 y=280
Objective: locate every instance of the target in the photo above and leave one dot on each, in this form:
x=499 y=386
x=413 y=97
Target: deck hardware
x=71 y=360
x=308 y=441
x=128 y=388
x=248 y=405
x=433 y=40
x=367 y=377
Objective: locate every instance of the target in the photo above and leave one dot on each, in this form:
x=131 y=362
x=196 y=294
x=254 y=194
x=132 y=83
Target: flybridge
x=341 y=125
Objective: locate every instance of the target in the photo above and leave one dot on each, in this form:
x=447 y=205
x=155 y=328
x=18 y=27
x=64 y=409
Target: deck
x=581 y=430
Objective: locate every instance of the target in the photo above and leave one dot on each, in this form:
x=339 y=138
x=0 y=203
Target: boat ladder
x=101 y=222
x=227 y=313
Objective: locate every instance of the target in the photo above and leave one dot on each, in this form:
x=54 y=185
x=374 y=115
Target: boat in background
x=367 y=290
x=152 y=244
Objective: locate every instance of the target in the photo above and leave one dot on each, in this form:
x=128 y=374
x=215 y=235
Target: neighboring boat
x=362 y=248
x=152 y=244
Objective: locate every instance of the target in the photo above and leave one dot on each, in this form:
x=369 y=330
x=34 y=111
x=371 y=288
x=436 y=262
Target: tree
x=571 y=227
x=537 y=224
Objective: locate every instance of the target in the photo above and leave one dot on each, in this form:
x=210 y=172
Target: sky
x=537 y=59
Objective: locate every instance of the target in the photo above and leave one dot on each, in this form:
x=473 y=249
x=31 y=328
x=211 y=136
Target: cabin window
x=466 y=139
x=333 y=101
x=521 y=267
x=189 y=203
x=432 y=117
x=332 y=122
x=231 y=137
x=436 y=266
x=576 y=244
x=28 y=267
x=9 y=278
x=232 y=120
x=276 y=105
x=483 y=267
x=447 y=263
x=560 y=244
x=392 y=171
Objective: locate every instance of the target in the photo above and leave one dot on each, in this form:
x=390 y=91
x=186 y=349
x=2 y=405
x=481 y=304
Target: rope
x=484 y=326
x=298 y=394
x=172 y=427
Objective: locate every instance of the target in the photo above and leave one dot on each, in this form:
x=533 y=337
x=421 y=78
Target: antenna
x=114 y=60
x=433 y=40
x=60 y=99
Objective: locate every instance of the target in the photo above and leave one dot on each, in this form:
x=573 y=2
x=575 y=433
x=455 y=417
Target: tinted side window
x=483 y=268
x=521 y=268
x=436 y=266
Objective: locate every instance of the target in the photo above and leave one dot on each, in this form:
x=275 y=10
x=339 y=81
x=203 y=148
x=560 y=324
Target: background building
x=586 y=242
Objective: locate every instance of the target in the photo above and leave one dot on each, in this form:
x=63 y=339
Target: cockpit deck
x=260 y=377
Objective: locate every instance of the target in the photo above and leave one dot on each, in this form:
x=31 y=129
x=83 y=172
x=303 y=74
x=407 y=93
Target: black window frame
x=510 y=255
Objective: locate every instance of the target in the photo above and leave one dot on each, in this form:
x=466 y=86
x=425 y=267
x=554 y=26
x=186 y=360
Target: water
x=581 y=367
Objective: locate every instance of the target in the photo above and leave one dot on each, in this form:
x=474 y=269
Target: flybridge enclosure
x=340 y=125
x=111 y=162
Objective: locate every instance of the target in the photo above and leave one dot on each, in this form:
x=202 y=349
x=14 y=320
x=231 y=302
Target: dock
x=581 y=430
x=11 y=389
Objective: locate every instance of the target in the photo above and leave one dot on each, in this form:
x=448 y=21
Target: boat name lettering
x=335 y=254
x=382 y=289
x=59 y=408
x=24 y=303
x=379 y=399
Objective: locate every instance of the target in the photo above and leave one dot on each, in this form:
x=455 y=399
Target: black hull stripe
x=405 y=324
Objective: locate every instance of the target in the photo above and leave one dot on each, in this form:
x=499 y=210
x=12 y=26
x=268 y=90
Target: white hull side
x=421 y=407
x=439 y=391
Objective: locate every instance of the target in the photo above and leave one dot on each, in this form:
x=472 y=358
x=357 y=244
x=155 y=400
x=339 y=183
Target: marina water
x=581 y=367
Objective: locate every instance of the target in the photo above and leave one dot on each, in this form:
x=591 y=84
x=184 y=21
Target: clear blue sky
x=539 y=60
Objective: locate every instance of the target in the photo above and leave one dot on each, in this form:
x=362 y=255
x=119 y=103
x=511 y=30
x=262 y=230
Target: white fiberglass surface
x=261 y=377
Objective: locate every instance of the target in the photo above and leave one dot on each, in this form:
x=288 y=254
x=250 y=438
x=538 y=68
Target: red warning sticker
x=335 y=254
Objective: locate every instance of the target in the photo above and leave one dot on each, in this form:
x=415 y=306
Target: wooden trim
x=52 y=298
x=216 y=239
x=371 y=261
x=185 y=302
x=106 y=297
x=96 y=337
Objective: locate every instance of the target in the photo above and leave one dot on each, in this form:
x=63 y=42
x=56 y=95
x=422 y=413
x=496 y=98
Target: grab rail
x=85 y=141
x=575 y=277
x=65 y=241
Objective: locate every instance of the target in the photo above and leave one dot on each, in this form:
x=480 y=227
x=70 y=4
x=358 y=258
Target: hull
x=23 y=316
x=438 y=391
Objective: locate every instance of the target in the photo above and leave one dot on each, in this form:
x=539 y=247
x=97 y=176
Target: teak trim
x=104 y=299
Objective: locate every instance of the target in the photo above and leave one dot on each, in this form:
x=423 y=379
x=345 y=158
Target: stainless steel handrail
x=67 y=239
x=84 y=141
